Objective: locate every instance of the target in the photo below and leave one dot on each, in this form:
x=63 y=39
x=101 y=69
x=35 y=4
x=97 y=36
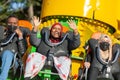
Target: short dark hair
x=11 y=16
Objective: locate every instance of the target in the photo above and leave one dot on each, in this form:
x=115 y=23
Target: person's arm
x=93 y=43
x=88 y=58
x=34 y=40
x=21 y=41
x=73 y=26
x=2 y=29
x=74 y=40
x=26 y=31
x=115 y=48
x=36 y=23
x=22 y=46
x=74 y=37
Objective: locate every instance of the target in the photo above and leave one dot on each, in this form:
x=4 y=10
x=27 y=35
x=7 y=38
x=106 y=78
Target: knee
x=7 y=53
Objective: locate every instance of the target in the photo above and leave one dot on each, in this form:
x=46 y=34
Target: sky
x=17 y=5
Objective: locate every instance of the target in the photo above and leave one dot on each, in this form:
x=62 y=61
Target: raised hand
x=36 y=23
x=73 y=26
x=19 y=33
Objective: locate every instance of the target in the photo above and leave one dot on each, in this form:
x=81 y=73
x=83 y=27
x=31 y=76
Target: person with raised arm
x=54 y=46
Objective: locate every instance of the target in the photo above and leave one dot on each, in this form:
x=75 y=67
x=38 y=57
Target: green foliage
x=7 y=8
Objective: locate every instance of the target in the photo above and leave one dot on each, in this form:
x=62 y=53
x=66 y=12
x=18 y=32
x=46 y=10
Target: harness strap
x=53 y=44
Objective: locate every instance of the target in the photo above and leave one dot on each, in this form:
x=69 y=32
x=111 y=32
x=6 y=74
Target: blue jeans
x=6 y=57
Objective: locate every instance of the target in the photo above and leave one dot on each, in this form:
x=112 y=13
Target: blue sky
x=17 y=5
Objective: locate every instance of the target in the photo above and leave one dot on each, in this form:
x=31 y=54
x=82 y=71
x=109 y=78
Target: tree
x=24 y=9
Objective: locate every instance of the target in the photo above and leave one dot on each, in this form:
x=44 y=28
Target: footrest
x=47 y=74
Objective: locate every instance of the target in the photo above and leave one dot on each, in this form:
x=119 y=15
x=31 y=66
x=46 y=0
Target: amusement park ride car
x=89 y=19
